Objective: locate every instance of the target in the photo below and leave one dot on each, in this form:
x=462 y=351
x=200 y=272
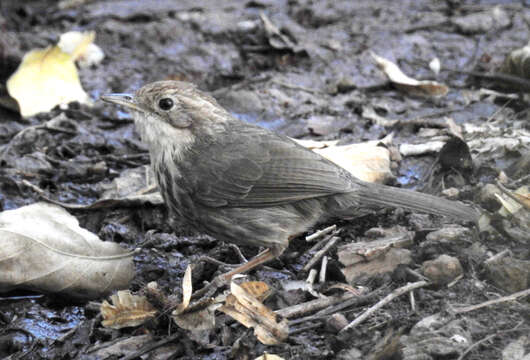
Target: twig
x=320 y=233
x=43 y=195
x=498 y=256
x=457 y=279
x=296 y=87
x=489 y=337
x=320 y=253
x=412 y=301
x=395 y=294
x=506 y=78
x=312 y=306
x=305 y=328
x=415 y=274
x=511 y=297
x=323 y=270
x=152 y=347
x=311 y=277
x=344 y=304
x=238 y=252
x=213 y=261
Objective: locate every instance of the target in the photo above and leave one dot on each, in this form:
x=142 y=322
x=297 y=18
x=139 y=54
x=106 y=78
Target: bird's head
x=171 y=113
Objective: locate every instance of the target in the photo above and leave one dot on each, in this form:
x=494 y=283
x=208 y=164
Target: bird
x=244 y=184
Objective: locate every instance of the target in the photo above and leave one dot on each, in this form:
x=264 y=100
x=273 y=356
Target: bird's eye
x=165 y=104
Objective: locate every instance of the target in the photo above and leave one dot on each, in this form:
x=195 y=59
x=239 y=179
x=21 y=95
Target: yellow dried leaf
x=259 y=289
x=269 y=327
x=126 y=310
x=46 y=78
x=76 y=43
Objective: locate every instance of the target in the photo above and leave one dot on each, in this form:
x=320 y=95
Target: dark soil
x=314 y=83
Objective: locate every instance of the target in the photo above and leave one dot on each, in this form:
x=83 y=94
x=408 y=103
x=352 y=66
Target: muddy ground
x=315 y=81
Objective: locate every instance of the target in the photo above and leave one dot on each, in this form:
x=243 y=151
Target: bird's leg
x=258 y=260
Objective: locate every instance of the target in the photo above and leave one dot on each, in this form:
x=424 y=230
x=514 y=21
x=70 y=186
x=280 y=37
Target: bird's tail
x=376 y=195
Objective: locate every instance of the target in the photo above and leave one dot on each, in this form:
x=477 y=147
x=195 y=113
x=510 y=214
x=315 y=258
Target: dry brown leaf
x=199 y=316
x=259 y=289
x=408 y=84
x=127 y=310
x=269 y=327
x=45 y=249
x=48 y=77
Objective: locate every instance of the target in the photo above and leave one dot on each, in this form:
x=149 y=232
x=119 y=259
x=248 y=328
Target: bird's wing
x=268 y=170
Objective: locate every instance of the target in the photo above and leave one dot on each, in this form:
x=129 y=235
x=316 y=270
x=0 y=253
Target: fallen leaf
x=48 y=77
x=45 y=249
x=269 y=328
x=198 y=316
x=127 y=310
x=75 y=43
x=408 y=84
x=366 y=161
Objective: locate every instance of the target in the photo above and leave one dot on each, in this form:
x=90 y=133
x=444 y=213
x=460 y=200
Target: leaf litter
x=247 y=59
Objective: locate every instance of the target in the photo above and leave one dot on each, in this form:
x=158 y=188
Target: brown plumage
x=242 y=183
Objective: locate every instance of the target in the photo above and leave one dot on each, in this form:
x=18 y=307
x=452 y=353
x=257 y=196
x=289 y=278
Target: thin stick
x=393 y=295
x=154 y=346
x=489 y=337
x=311 y=277
x=511 y=297
x=323 y=269
x=313 y=305
x=412 y=301
x=320 y=253
x=318 y=234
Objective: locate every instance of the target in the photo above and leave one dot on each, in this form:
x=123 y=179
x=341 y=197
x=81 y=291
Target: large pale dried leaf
x=127 y=310
x=48 y=77
x=44 y=249
x=408 y=84
x=269 y=327
x=367 y=161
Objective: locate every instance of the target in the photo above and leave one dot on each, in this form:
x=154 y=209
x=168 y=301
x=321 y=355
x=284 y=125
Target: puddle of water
x=410 y=175
x=49 y=324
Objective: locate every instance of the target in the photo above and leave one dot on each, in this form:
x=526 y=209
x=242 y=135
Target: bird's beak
x=125 y=100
